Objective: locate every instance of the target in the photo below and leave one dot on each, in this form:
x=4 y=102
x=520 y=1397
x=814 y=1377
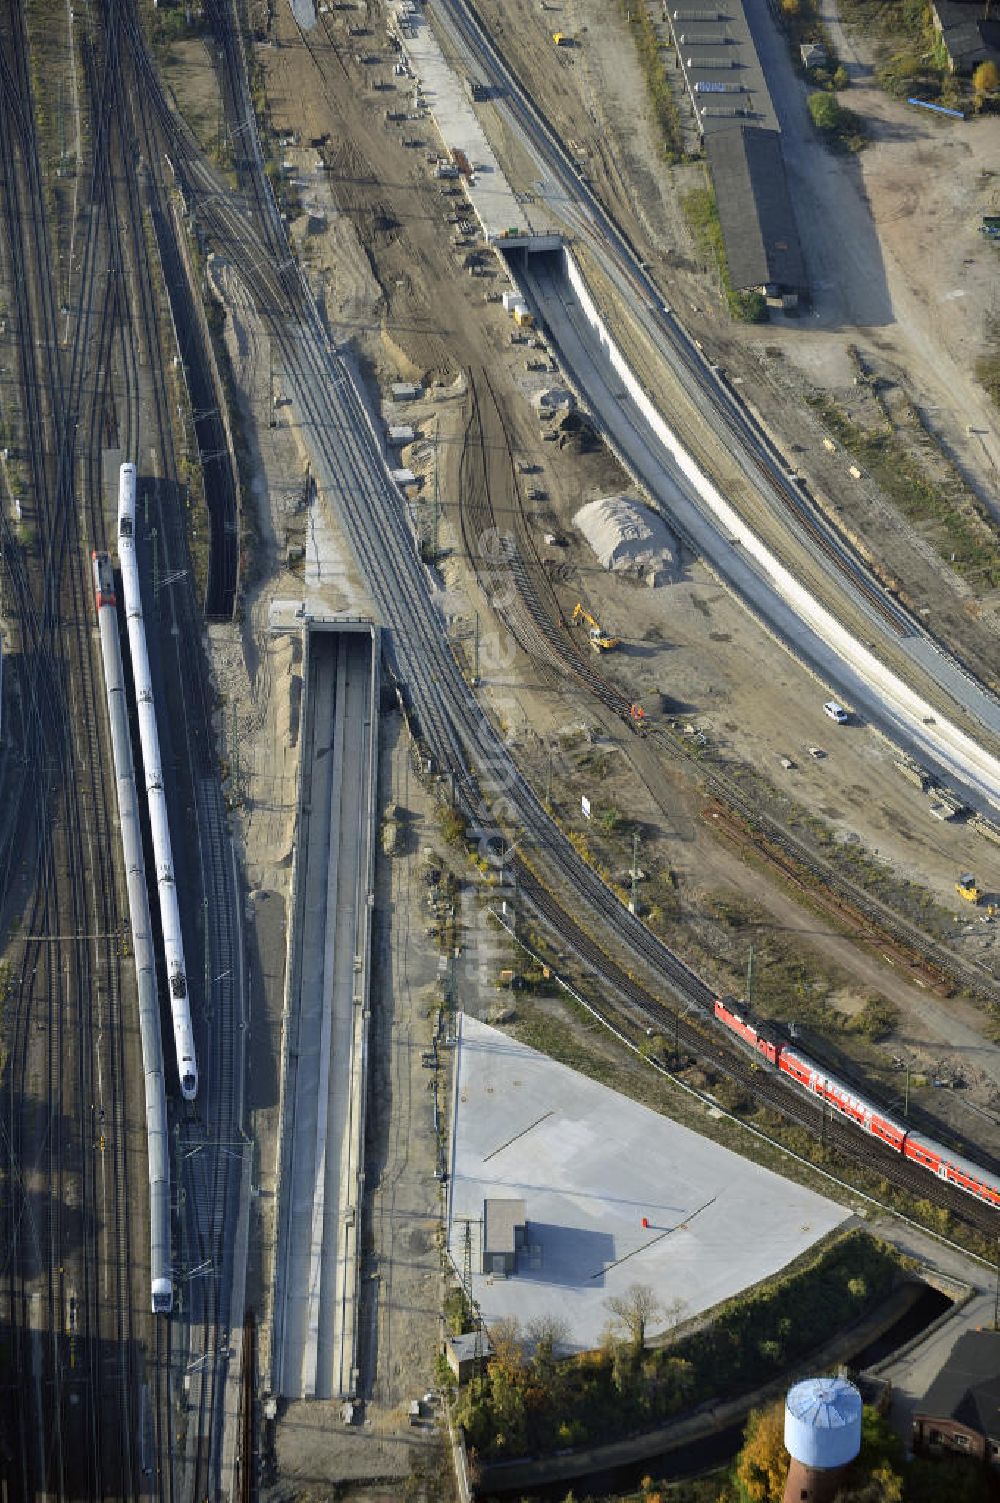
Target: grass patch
x=911 y=55
x=566 y=1032
x=958 y=526
x=702 y=214
x=839 y=127
x=802 y=25
x=988 y=364
x=647 y=44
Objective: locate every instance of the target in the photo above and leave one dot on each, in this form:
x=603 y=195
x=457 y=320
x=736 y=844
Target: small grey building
x=503 y=1236
x=460 y=1354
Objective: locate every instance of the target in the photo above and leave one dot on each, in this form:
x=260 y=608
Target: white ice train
x=157 y=1142
x=170 y=921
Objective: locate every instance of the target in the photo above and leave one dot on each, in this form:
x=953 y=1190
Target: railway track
x=94 y=1340
x=764 y=1085
x=534 y=617
x=210 y=1138
x=450 y=722
x=745 y=443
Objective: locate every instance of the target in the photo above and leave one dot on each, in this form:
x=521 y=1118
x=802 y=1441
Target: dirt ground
x=375 y=231
x=371 y=232
x=913 y=298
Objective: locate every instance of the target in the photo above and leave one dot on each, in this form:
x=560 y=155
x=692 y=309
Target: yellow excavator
x=968 y=888
x=599 y=640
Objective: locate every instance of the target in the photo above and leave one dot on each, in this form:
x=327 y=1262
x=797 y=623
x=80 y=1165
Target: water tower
x=822 y=1436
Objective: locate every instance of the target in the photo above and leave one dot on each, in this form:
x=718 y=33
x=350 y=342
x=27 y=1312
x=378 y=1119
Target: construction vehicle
x=968 y=888
x=599 y=640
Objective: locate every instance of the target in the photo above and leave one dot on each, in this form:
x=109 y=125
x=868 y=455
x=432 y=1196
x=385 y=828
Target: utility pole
x=436 y=507
x=633 y=906
x=156 y=568
x=750 y=979
x=236 y=754
x=548 y=781
x=207 y=1003
x=471 y=1305
x=906 y=1094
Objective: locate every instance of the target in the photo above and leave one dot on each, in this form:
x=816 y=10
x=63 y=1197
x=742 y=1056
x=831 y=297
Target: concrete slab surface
x=316 y=1282
x=590 y=1164
x=490 y=194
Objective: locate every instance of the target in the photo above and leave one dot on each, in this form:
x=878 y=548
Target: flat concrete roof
x=501 y=1218
x=590 y=1164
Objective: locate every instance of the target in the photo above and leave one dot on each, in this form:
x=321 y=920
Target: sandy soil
x=907 y=274
x=911 y=290
x=374 y=233
x=384 y=218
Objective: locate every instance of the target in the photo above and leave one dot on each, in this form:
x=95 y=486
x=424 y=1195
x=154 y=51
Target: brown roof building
x=960 y=1412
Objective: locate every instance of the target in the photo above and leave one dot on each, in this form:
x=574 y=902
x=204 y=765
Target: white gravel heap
x=628 y=538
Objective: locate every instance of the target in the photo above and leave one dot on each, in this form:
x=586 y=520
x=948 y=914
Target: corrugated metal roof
x=755 y=208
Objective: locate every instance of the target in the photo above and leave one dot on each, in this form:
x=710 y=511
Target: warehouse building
x=970 y=35
x=756 y=215
x=738 y=126
x=722 y=72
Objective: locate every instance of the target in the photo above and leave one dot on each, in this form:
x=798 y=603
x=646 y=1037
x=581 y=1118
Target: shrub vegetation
x=529 y=1402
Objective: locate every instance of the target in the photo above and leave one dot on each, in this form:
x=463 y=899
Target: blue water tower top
x=823 y=1422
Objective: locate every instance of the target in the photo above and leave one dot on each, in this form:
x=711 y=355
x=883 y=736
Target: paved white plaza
x=590 y=1164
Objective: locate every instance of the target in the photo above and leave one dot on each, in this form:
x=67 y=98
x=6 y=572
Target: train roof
x=848 y=1089
x=975 y=1171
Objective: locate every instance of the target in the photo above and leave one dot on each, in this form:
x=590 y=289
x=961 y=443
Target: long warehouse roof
x=755 y=208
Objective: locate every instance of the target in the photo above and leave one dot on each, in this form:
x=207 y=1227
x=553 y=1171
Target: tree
x=762 y=1465
x=634 y=1310
x=825 y=111
x=985 y=80
x=882 y=1486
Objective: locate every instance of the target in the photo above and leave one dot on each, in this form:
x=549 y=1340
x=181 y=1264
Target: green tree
x=882 y=1486
x=825 y=111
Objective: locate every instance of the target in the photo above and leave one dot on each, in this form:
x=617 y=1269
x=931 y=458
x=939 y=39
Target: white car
x=836 y=712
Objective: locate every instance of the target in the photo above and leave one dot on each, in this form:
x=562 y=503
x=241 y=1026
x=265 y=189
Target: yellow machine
x=967 y=888
x=599 y=641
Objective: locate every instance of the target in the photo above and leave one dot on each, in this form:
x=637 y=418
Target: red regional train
x=933 y=1157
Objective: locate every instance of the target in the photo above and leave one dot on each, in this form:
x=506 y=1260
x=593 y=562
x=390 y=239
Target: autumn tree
x=762 y=1465
x=985 y=81
x=634 y=1310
